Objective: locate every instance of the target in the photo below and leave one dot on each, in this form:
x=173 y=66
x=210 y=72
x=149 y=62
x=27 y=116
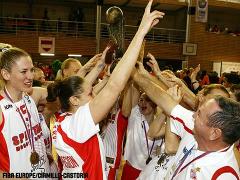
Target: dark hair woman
x=76 y=135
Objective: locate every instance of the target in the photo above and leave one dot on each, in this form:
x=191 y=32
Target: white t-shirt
x=15 y=148
x=136 y=151
x=219 y=165
x=79 y=145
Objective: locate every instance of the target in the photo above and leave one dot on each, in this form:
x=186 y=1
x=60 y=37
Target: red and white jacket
x=15 y=148
x=78 y=144
x=219 y=165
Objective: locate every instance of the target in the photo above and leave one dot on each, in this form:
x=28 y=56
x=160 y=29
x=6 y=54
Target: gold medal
x=34 y=158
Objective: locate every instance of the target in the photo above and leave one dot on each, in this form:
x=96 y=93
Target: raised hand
x=149 y=19
x=153 y=64
x=197 y=69
x=176 y=93
x=92 y=62
x=97 y=59
x=141 y=69
x=107 y=70
x=103 y=55
x=170 y=79
x=194 y=73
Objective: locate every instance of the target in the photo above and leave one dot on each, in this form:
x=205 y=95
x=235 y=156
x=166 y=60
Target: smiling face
x=146 y=106
x=20 y=76
x=203 y=133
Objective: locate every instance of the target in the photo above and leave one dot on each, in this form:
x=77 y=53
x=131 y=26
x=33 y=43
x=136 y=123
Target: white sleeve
x=228 y=176
x=181 y=121
x=81 y=126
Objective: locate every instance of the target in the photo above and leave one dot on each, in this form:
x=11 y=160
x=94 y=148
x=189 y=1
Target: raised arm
x=195 y=83
x=102 y=103
x=171 y=140
x=93 y=74
x=155 y=93
x=99 y=86
x=153 y=64
x=157 y=127
x=131 y=96
x=88 y=66
x=188 y=96
x=126 y=102
x=141 y=53
x=157 y=81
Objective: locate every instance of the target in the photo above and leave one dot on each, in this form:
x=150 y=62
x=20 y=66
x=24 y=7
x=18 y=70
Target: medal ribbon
x=31 y=140
x=145 y=131
x=184 y=158
x=196 y=158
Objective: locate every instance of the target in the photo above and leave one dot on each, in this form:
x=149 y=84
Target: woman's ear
x=5 y=74
x=74 y=100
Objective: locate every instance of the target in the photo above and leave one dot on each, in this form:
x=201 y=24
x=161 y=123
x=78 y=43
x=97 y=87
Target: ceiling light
x=74 y=55
x=47 y=54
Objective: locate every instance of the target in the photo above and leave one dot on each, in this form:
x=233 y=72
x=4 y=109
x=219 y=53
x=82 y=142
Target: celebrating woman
x=21 y=137
x=76 y=131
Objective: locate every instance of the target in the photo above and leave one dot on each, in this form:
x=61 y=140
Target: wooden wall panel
x=86 y=46
x=212 y=47
x=225 y=4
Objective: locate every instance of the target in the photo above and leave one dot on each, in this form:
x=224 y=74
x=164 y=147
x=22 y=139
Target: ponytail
x=53 y=91
x=64 y=90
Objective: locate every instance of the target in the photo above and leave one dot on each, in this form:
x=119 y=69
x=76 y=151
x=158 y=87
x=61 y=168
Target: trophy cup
x=114 y=17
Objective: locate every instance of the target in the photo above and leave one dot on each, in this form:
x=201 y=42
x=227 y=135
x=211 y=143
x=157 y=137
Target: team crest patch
x=27 y=98
x=193 y=173
x=185 y=150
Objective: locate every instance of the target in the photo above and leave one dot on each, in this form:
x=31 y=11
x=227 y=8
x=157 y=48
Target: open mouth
x=29 y=84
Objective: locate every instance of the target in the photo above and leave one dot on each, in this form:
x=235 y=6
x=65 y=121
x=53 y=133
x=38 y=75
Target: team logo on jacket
x=193 y=173
x=8 y=106
x=27 y=98
x=21 y=140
